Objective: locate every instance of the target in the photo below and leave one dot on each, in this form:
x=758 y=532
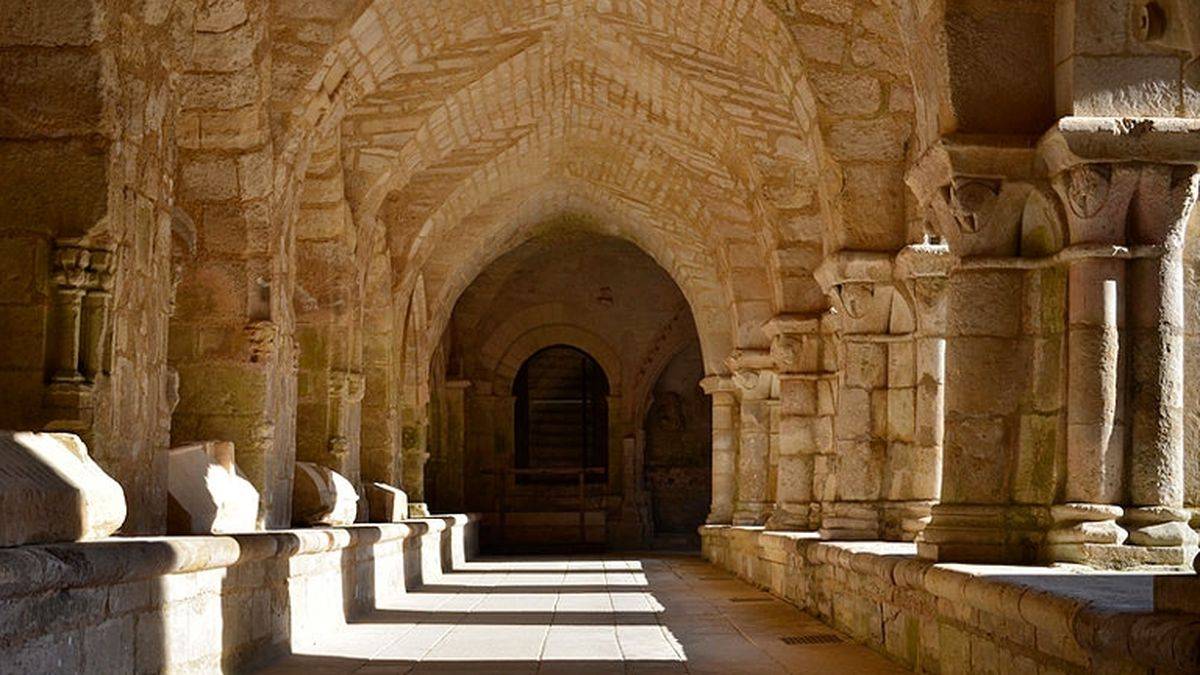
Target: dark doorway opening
x=561 y=418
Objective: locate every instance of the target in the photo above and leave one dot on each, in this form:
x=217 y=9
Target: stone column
x=886 y=479
x=95 y=341
x=71 y=281
x=755 y=382
x=1084 y=527
x=923 y=272
x=805 y=359
x=725 y=435
x=1156 y=517
x=78 y=342
x=1128 y=204
x=454 y=446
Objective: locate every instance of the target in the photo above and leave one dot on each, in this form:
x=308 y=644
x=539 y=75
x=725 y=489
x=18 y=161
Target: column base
x=751 y=514
x=722 y=518
x=979 y=533
x=1085 y=533
x=875 y=521
x=1159 y=526
x=850 y=521
x=791 y=518
x=903 y=521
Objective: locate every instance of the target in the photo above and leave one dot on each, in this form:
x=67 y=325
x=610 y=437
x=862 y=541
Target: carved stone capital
x=339 y=446
x=261 y=338
x=1124 y=181
x=77 y=268
x=714 y=384
x=989 y=198
x=752 y=372
x=864 y=294
x=802 y=344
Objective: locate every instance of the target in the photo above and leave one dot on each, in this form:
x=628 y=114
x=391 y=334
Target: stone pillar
x=95 y=354
x=755 y=382
x=923 y=272
x=1125 y=422
x=453 y=446
x=885 y=482
x=725 y=435
x=1075 y=294
x=805 y=359
x=1084 y=527
x=1005 y=350
x=1156 y=517
x=346 y=389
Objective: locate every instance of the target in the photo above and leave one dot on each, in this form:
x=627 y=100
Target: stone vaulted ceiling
x=714 y=134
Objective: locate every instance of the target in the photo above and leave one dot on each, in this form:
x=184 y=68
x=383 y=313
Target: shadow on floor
x=620 y=614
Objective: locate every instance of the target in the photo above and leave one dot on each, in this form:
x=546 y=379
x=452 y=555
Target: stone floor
x=635 y=614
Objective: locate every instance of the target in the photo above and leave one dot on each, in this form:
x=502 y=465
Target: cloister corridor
x=582 y=615
x=721 y=336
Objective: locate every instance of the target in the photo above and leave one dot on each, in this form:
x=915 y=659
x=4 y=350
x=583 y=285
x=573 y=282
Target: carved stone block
x=52 y=491
x=387 y=504
x=322 y=496
x=207 y=493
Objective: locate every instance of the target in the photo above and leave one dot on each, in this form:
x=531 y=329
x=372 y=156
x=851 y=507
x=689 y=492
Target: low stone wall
x=946 y=618
x=200 y=604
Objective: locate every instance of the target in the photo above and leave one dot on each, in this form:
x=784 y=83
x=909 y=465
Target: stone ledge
x=203 y=604
x=30 y=569
x=1061 y=616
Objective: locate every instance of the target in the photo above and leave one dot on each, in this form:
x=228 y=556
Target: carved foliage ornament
x=1087 y=189
x=787 y=351
x=969 y=199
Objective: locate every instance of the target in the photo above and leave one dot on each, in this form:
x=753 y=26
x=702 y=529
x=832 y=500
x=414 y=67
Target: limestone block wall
x=208 y=604
x=948 y=618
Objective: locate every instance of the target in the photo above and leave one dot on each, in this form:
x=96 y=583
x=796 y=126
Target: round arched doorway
x=560 y=418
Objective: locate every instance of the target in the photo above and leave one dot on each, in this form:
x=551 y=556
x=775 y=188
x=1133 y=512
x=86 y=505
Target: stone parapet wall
x=952 y=618
x=208 y=604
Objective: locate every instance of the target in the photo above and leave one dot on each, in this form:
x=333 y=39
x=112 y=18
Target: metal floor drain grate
x=752 y=599
x=813 y=639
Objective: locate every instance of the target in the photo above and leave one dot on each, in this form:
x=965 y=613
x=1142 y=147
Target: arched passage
x=547 y=465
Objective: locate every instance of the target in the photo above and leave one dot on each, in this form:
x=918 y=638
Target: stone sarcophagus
x=52 y=491
x=207 y=493
x=387 y=504
x=322 y=496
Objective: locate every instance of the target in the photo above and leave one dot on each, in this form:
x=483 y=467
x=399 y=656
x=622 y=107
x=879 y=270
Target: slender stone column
x=95 y=342
x=755 y=383
x=805 y=360
x=1156 y=517
x=923 y=270
x=71 y=279
x=724 y=446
